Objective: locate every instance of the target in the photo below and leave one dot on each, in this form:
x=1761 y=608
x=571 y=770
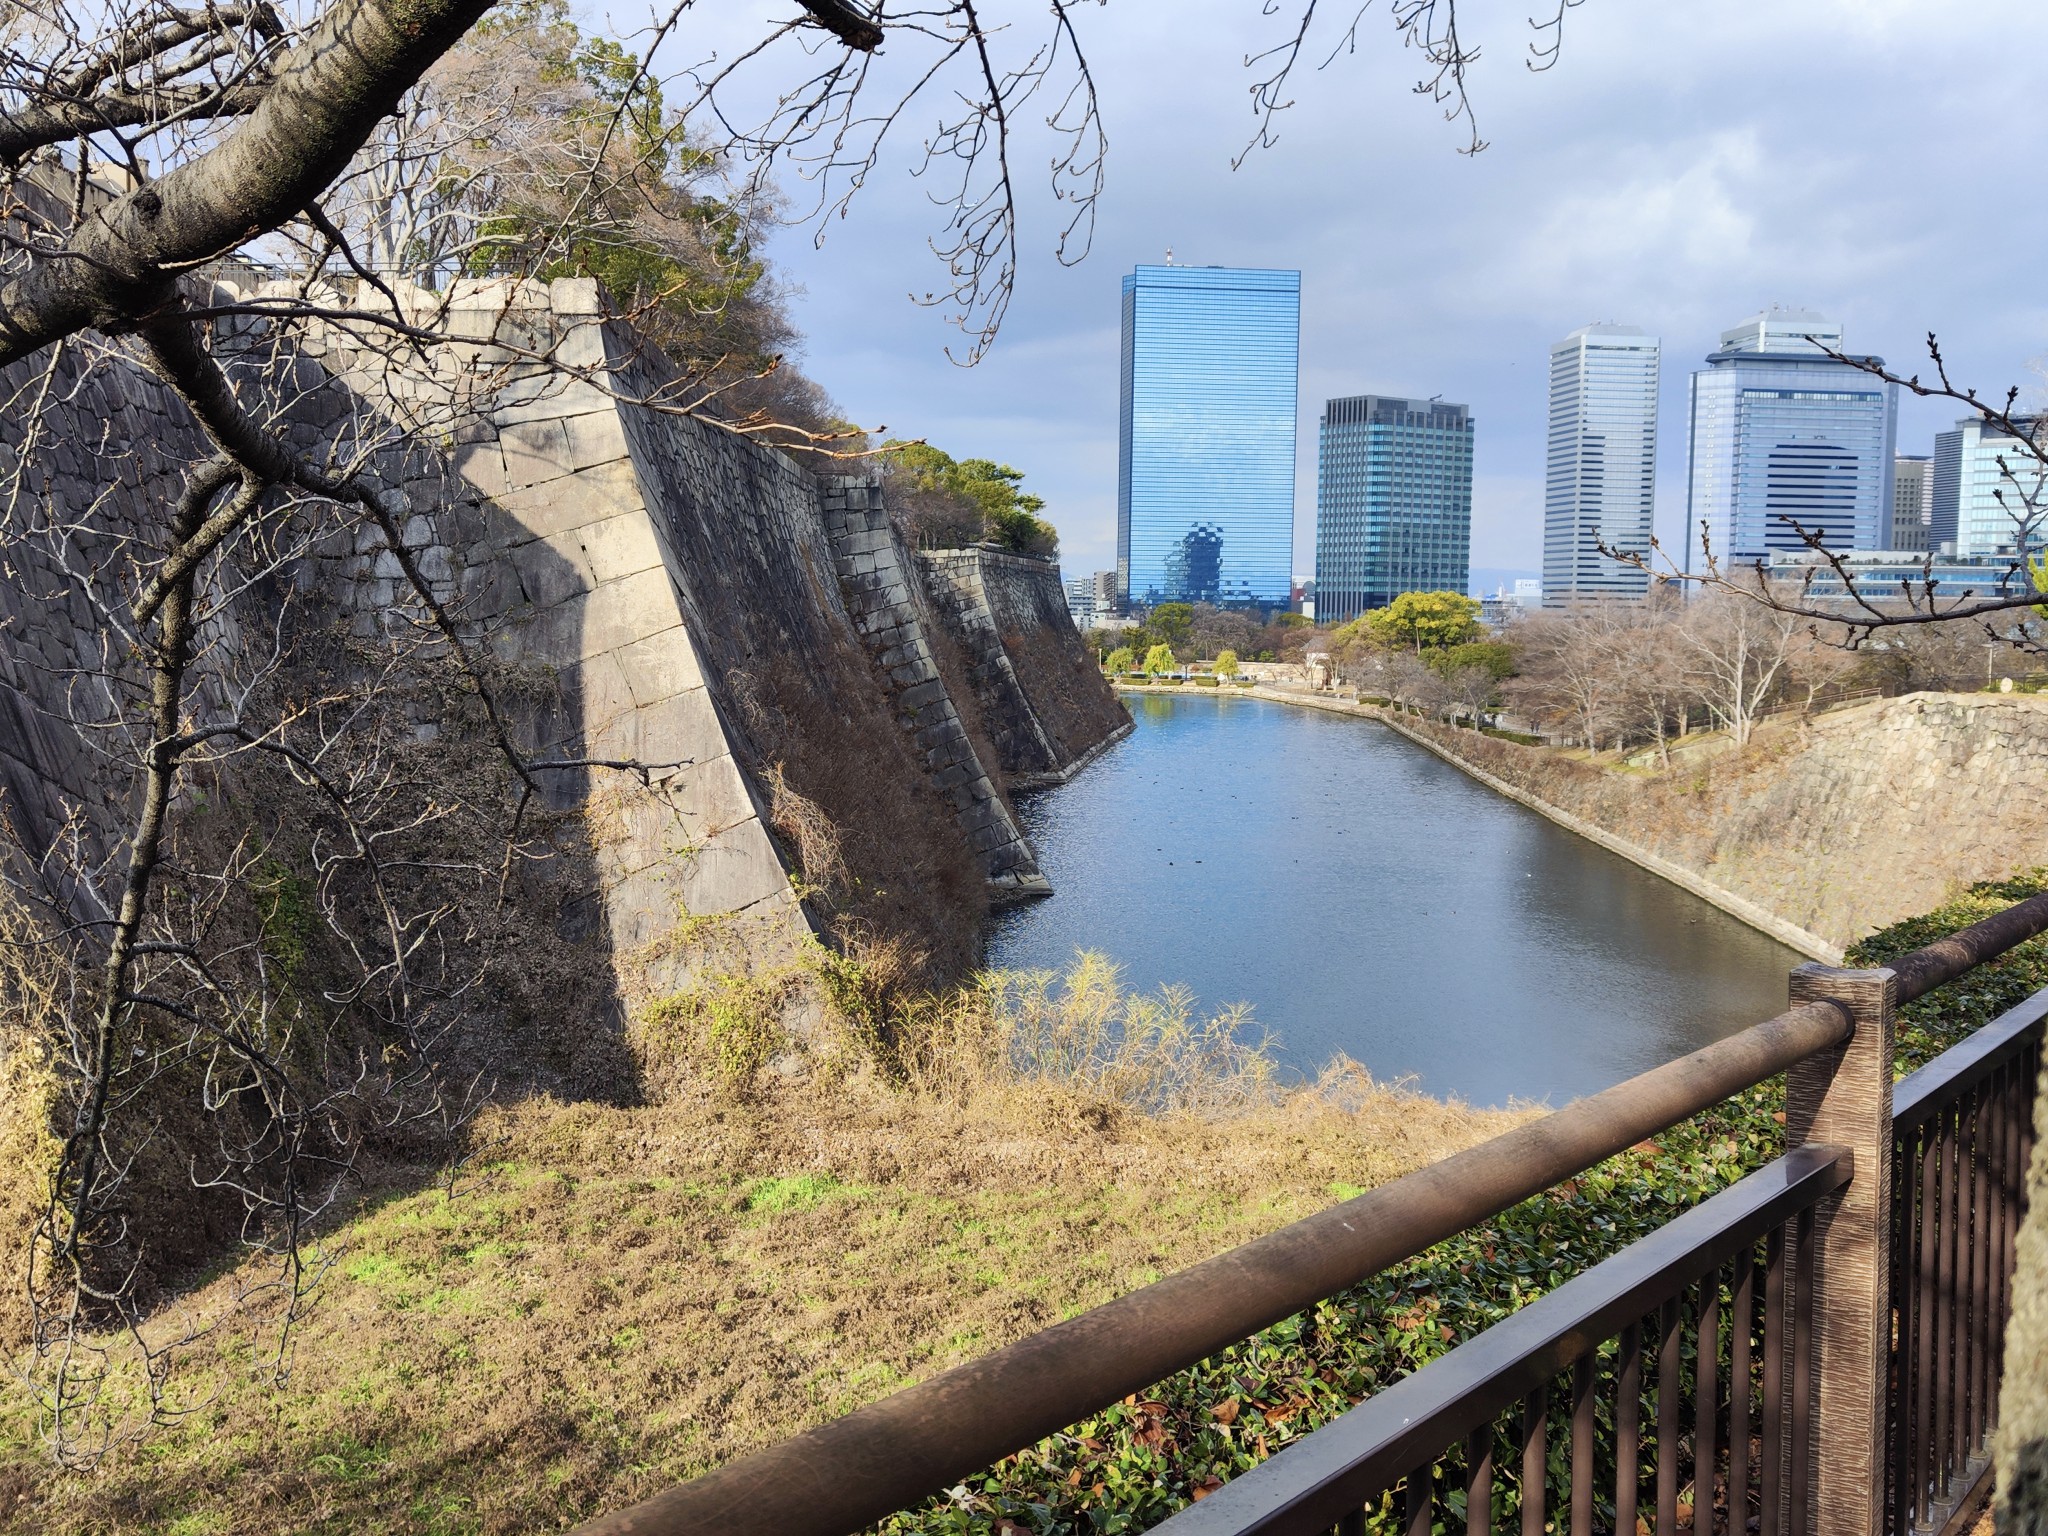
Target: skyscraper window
x=1205 y=484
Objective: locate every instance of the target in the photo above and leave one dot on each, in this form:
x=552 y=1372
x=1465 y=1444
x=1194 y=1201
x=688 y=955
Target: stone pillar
x=1843 y=1097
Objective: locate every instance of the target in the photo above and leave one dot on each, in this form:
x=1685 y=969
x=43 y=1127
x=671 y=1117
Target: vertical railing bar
x=1628 y=1423
x=1804 y=1348
x=1773 y=1393
x=1741 y=1382
x=1352 y=1524
x=1706 y=1400
x=1585 y=1429
x=1670 y=1343
x=1928 y=1311
x=1945 y=1316
x=2018 y=1110
x=1535 y=1460
x=1417 y=1501
x=1905 y=1353
x=1479 y=1482
x=1984 y=1383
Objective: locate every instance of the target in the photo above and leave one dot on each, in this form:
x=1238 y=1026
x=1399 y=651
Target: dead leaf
x=1202 y=1490
x=1225 y=1412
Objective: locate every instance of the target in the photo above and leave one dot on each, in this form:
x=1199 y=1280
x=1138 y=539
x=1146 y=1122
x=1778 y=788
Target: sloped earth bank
x=1839 y=824
x=617 y=1299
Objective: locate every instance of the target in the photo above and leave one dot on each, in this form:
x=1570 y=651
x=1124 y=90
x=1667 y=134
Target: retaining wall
x=1047 y=708
x=764 y=642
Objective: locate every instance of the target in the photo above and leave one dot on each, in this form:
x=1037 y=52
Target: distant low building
x=1504 y=605
x=1081 y=602
x=1092 y=599
x=1878 y=573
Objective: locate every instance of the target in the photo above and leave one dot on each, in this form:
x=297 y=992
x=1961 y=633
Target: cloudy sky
x=1686 y=163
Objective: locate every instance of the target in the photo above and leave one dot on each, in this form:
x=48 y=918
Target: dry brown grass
x=623 y=1297
x=31 y=988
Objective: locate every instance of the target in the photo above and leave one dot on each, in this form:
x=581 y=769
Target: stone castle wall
x=764 y=642
x=1041 y=692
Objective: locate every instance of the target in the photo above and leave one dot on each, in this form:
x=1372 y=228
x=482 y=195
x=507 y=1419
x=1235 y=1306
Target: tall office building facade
x=1205 y=476
x=1990 y=490
x=1912 y=501
x=1600 y=482
x=1393 y=502
x=1786 y=438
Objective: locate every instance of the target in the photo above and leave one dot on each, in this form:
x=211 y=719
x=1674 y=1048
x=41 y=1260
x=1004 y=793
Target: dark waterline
x=1368 y=898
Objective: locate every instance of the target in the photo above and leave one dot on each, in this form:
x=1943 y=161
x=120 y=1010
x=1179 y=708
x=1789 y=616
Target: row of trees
x=1199 y=631
x=1644 y=673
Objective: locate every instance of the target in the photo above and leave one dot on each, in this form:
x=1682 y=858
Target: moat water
x=1367 y=898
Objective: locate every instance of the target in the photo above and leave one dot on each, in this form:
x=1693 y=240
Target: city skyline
x=1740 y=180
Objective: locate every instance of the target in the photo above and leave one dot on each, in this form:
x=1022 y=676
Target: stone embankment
x=1825 y=829
x=763 y=637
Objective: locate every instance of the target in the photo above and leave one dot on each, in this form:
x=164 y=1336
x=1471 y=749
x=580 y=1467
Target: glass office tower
x=1990 y=490
x=1205 y=471
x=1393 y=502
x=1600 y=485
x=1786 y=438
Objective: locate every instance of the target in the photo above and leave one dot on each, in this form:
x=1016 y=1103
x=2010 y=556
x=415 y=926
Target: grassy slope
x=625 y=1297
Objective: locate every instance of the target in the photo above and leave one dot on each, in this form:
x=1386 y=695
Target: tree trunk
x=2021 y=1505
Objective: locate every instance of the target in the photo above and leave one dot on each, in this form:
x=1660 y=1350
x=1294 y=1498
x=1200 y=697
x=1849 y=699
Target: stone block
x=595 y=437
x=620 y=546
x=629 y=609
x=683 y=729
x=535 y=452
x=660 y=666
x=733 y=870
x=551 y=570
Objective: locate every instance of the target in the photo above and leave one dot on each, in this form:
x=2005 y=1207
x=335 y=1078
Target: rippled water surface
x=1368 y=898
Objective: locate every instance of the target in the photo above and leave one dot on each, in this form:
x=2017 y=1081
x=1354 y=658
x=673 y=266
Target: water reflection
x=1366 y=897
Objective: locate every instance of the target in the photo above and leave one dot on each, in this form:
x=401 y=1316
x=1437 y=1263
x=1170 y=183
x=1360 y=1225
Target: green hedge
x=1132 y=1465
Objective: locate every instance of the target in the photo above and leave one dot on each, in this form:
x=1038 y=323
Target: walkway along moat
x=1366 y=897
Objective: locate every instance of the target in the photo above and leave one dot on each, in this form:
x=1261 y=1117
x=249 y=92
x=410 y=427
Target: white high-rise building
x=1787 y=439
x=1990 y=490
x=1601 y=479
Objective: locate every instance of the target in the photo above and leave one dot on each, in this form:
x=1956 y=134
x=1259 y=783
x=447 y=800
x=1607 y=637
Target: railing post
x=1843 y=1097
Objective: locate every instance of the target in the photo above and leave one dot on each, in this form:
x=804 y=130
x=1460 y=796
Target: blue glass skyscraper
x=1786 y=438
x=1205 y=470
x=1393 y=502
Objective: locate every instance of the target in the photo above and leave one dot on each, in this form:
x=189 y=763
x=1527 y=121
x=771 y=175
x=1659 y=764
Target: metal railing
x=1654 y=1302
x=1963 y=1133
x=1617 y=1357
